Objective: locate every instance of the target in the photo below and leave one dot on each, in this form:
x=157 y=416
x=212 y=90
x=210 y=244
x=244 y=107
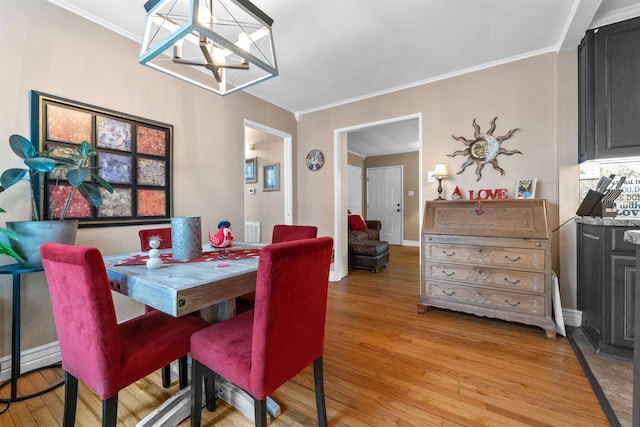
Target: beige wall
x=527 y=94
x=57 y=52
x=410 y=182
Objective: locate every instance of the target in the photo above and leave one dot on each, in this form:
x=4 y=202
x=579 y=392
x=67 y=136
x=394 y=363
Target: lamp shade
x=441 y=171
x=219 y=45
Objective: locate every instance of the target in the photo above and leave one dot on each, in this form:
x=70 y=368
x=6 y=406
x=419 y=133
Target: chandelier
x=219 y=45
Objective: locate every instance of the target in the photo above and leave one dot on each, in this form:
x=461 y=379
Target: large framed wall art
x=133 y=154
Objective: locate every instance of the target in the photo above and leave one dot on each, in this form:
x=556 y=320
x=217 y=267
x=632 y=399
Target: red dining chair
x=165 y=243
x=286 y=233
x=104 y=355
x=281 y=233
x=261 y=349
x=163 y=233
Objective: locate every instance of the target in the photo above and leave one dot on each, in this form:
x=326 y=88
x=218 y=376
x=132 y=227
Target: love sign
x=496 y=193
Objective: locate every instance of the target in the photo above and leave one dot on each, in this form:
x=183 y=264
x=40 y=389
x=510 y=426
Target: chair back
x=285 y=233
x=290 y=310
x=83 y=312
x=163 y=233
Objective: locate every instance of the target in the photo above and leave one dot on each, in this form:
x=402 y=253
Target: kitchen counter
x=609 y=222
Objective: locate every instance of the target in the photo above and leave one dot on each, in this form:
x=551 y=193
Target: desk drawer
x=520 y=258
x=481 y=297
x=513 y=280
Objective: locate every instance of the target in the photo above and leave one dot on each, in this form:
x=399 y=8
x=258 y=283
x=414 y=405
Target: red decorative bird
x=223 y=238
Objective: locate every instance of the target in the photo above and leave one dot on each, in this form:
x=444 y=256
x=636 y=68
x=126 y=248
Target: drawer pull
x=513 y=259
x=452 y=253
x=449 y=293
x=513 y=282
x=512 y=304
x=448 y=274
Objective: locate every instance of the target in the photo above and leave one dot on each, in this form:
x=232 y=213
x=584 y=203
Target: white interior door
x=354 y=195
x=384 y=201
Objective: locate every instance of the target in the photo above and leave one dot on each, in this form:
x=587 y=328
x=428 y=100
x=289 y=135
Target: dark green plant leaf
x=100 y=180
x=41 y=164
x=12 y=176
x=22 y=147
x=2 y=210
x=6 y=250
x=85 y=149
x=90 y=193
x=77 y=176
x=11 y=234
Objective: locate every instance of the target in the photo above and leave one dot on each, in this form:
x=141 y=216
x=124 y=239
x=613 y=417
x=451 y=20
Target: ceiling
x=331 y=52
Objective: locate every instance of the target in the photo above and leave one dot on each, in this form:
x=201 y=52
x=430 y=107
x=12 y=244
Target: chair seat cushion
x=157 y=333
x=225 y=348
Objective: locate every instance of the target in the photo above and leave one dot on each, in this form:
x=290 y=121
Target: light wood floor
x=386 y=365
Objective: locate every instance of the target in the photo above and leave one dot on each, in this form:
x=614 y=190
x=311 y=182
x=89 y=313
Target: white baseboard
x=31 y=359
x=572 y=317
x=414 y=243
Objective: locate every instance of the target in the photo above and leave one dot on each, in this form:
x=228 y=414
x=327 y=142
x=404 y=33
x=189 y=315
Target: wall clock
x=315 y=160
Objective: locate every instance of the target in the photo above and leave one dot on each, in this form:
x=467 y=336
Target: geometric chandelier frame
x=219 y=45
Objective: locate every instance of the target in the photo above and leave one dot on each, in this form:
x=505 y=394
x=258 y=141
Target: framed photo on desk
x=526 y=188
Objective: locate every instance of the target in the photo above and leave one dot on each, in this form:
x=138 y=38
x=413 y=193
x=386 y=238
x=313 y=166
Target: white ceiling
x=331 y=52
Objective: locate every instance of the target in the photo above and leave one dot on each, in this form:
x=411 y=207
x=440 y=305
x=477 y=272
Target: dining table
x=209 y=285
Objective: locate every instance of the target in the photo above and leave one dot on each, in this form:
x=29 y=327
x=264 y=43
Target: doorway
x=340 y=146
x=265 y=146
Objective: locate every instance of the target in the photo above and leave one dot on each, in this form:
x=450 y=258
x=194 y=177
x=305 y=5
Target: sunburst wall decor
x=483 y=149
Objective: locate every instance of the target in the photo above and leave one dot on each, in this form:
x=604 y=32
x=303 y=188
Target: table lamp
x=440 y=173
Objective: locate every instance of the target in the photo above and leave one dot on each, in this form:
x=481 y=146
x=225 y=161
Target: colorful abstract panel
x=133 y=154
x=151 y=141
x=151 y=203
x=116 y=204
x=113 y=134
x=115 y=168
x=68 y=125
x=152 y=172
x=79 y=207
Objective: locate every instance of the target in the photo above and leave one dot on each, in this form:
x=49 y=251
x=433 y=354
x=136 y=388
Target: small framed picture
x=272 y=177
x=526 y=188
x=250 y=175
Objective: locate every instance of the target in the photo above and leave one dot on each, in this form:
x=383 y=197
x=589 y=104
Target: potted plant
x=75 y=169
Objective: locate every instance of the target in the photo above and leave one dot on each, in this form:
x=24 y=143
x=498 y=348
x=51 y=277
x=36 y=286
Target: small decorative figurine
x=223 y=238
x=154 y=260
x=457 y=195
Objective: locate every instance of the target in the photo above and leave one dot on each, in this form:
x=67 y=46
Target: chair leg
x=166 y=376
x=260 y=411
x=70 y=399
x=183 y=376
x=319 y=386
x=110 y=411
x=210 y=390
x=197 y=370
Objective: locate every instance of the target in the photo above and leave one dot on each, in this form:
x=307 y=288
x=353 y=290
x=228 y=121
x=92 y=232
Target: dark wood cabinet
x=609 y=91
x=606 y=287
